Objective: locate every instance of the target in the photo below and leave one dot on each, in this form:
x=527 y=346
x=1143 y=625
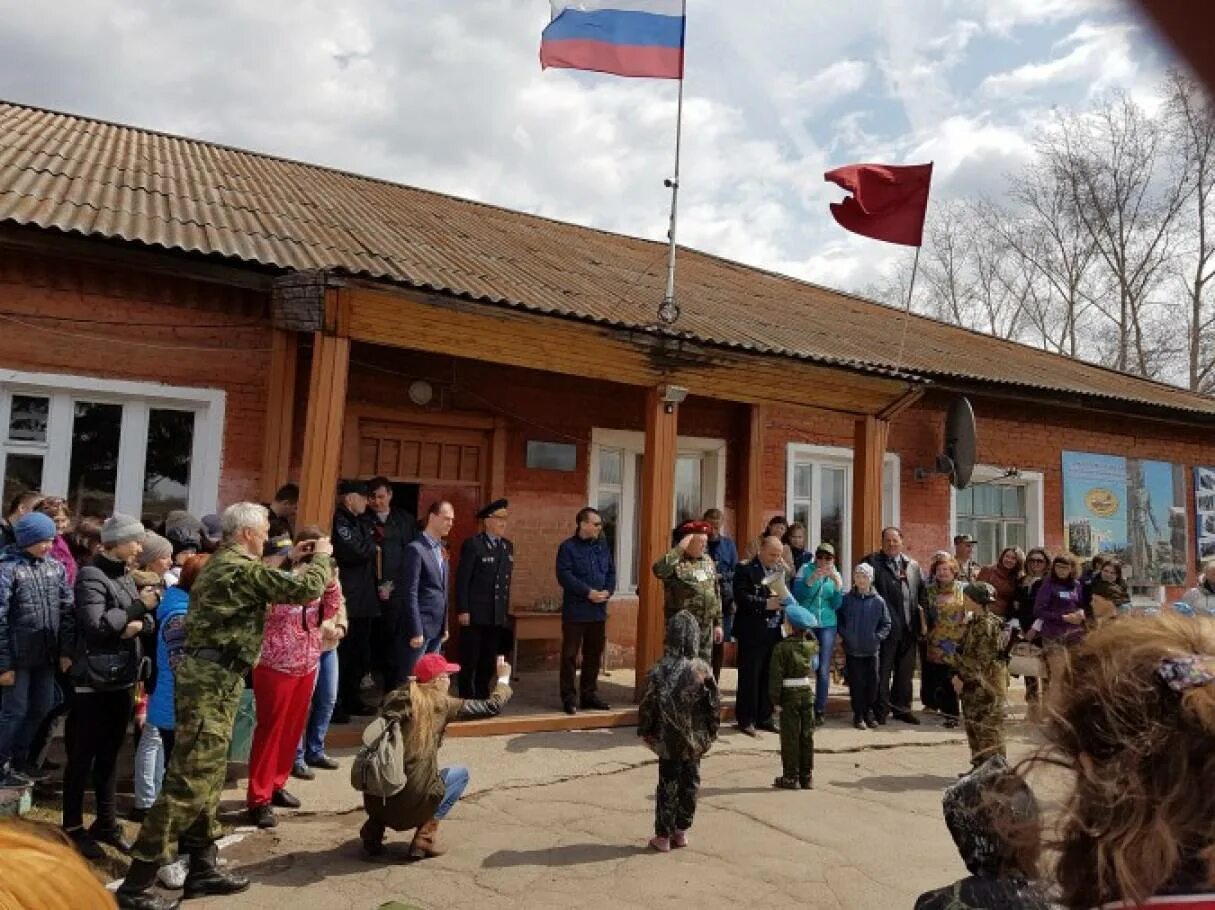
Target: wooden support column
x=657 y=507
x=280 y=412
x=326 y=415
x=750 y=518
x=869 y=451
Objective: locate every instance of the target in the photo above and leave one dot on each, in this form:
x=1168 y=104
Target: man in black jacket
x=392 y=530
x=354 y=551
x=483 y=600
x=897 y=579
x=757 y=622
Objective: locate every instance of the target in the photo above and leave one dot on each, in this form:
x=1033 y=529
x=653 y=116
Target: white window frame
x=633 y=444
x=1035 y=516
x=840 y=457
x=137 y=399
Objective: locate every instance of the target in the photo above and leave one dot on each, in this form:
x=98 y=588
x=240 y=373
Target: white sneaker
x=173 y=875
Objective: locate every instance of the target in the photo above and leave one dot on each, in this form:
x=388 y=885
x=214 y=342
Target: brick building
x=187 y=325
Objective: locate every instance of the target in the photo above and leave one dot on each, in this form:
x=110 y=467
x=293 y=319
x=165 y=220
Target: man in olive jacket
x=223 y=637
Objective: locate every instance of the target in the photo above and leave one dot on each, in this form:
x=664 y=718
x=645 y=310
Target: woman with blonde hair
x=1135 y=722
x=423 y=709
x=946 y=622
x=43 y=872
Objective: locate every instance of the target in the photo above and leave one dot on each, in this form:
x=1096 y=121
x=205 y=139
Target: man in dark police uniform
x=483 y=600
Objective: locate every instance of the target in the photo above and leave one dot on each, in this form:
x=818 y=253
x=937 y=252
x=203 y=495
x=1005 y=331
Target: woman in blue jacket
x=819 y=588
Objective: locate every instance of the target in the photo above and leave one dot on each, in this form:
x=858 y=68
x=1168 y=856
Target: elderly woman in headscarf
x=994 y=820
x=680 y=712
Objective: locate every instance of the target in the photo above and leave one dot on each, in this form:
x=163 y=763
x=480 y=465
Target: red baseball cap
x=695 y=527
x=432 y=665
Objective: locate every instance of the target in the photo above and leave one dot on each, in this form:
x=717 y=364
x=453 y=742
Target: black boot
x=135 y=892
x=204 y=877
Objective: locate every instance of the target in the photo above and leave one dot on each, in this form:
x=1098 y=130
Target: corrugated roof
x=99 y=179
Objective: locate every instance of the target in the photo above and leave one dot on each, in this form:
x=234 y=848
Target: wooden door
x=446 y=462
x=413 y=453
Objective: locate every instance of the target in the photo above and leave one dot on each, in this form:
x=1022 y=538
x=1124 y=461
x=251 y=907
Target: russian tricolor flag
x=623 y=37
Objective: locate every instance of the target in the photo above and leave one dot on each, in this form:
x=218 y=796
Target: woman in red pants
x=282 y=687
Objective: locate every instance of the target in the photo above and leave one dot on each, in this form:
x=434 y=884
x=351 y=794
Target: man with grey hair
x=223 y=637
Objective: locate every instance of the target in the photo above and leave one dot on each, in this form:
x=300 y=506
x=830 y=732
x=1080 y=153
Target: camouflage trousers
x=675 y=802
x=797 y=732
x=186 y=811
x=983 y=714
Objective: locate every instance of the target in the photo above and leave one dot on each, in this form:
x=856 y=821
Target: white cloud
x=450 y=96
x=1101 y=56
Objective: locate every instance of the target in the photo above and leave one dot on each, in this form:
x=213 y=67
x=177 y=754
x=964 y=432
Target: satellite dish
x=961 y=445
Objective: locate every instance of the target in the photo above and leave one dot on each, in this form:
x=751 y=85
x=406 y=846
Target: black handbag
x=108 y=670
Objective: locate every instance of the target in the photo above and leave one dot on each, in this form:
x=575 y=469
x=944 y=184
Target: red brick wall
x=116 y=323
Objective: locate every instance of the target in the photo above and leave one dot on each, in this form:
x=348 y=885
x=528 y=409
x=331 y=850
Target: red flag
x=888 y=202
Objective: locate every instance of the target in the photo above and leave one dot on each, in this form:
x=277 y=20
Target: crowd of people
x=109 y=622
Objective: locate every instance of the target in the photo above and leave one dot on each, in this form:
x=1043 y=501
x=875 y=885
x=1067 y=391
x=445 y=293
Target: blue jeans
x=149 y=769
x=23 y=705
x=455 y=780
x=826 y=645
x=413 y=655
x=324 y=697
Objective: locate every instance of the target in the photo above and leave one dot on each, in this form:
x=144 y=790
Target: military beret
x=696 y=527
x=490 y=509
x=346 y=487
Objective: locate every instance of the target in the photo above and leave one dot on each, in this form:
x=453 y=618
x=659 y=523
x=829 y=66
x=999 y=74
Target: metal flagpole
x=915 y=266
x=669 y=311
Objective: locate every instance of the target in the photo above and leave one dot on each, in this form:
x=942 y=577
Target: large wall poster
x=1130 y=509
x=1204 y=498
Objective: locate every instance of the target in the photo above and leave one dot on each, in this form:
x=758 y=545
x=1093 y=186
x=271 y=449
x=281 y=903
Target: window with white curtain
x=106 y=445
x=819 y=495
x=614 y=489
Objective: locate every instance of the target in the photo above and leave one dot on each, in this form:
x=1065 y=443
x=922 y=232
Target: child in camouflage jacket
x=981 y=674
x=679 y=715
x=794 y=661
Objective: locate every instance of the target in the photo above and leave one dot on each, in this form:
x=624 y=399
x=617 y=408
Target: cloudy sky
x=449 y=95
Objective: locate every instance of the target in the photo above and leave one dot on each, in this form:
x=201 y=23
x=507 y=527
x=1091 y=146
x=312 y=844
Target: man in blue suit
x=425 y=582
x=587 y=576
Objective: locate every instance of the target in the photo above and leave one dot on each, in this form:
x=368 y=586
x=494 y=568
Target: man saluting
x=689 y=577
x=483 y=600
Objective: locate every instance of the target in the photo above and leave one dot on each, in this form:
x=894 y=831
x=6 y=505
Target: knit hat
x=865 y=569
x=119 y=528
x=32 y=528
x=154 y=547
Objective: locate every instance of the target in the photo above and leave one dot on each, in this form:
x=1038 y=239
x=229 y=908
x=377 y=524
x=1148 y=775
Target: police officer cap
x=493 y=507
x=696 y=527
x=346 y=487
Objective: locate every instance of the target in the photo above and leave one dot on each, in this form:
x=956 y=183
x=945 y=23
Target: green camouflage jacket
x=691 y=584
x=229 y=599
x=981 y=657
x=792 y=658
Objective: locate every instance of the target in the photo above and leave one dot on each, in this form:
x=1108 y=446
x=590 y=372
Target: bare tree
x=1113 y=166
x=1045 y=234
x=1191 y=129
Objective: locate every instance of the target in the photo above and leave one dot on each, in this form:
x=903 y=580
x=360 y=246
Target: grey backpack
x=379 y=766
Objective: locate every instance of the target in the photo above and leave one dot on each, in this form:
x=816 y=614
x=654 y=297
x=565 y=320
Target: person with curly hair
x=1134 y=721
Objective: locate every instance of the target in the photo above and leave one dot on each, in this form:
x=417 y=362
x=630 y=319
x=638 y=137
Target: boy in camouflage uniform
x=794 y=661
x=980 y=675
x=689 y=577
x=678 y=718
x=223 y=637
